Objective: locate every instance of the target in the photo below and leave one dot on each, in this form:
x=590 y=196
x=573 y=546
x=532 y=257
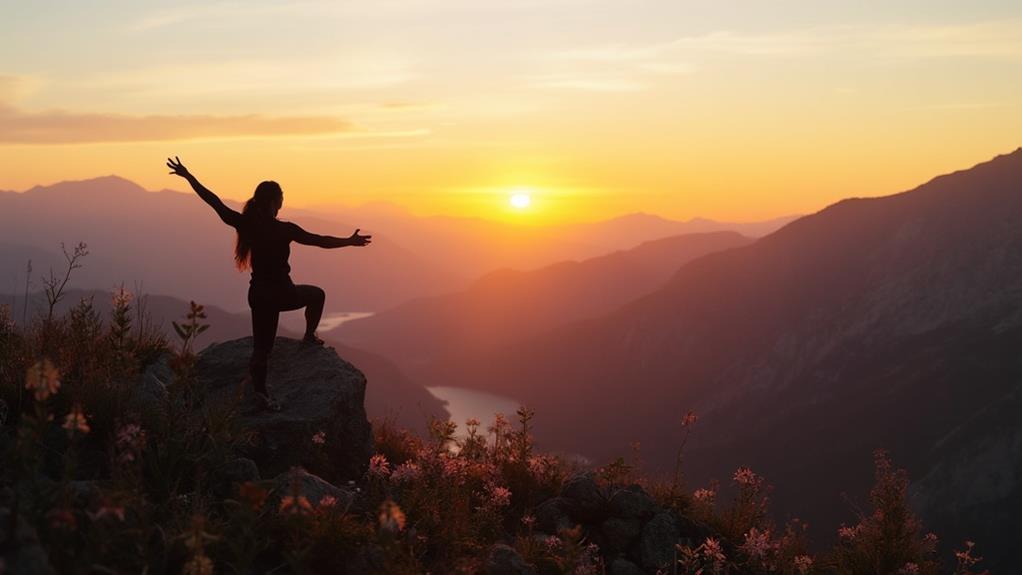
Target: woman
x=264 y=245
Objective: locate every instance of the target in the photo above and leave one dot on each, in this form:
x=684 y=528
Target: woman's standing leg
x=264 y=331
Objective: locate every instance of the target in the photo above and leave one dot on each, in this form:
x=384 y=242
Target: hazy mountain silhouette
x=139 y=236
x=389 y=394
x=890 y=322
x=508 y=306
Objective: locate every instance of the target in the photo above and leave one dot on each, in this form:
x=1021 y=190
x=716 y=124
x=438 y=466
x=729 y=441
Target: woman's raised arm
x=229 y=216
x=310 y=239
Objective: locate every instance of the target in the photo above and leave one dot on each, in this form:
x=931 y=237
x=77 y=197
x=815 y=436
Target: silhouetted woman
x=264 y=245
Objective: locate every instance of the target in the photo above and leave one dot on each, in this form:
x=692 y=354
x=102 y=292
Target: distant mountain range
x=892 y=322
x=168 y=240
x=509 y=306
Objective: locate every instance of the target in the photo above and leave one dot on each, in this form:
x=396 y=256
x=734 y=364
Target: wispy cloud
x=61 y=127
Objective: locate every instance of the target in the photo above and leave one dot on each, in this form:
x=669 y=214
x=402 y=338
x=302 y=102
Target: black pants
x=267 y=302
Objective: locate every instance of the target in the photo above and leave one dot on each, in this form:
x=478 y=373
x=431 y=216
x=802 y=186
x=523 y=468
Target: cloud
x=61 y=127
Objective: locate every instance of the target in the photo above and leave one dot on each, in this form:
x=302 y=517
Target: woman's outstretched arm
x=310 y=239
x=229 y=216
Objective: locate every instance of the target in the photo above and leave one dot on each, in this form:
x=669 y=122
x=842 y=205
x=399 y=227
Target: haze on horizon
x=739 y=110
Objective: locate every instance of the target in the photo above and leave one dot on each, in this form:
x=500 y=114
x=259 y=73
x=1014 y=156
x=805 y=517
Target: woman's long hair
x=260 y=208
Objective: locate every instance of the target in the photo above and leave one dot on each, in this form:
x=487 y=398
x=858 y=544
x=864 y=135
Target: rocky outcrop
x=322 y=397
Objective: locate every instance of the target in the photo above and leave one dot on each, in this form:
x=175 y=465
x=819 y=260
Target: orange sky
x=735 y=111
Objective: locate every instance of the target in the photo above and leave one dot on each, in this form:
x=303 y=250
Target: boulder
x=585 y=500
x=656 y=544
x=504 y=560
x=552 y=516
x=314 y=488
x=632 y=502
x=622 y=566
x=319 y=392
x=619 y=532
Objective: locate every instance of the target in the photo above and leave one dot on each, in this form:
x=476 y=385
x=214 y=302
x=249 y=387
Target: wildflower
x=328 y=502
x=965 y=558
x=42 y=380
x=704 y=495
x=62 y=518
x=75 y=422
x=129 y=442
x=713 y=551
x=391 y=518
x=500 y=496
x=747 y=477
x=319 y=438
x=930 y=541
x=295 y=504
x=107 y=510
x=252 y=494
x=453 y=468
x=121 y=298
x=199 y=565
x=407 y=471
x=379 y=467
x=528 y=521
x=690 y=419
x=553 y=543
x=757 y=543
x=472 y=422
x=803 y=564
x=849 y=533
x=909 y=569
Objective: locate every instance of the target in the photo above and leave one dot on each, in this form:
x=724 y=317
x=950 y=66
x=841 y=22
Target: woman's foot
x=311 y=339
x=264 y=401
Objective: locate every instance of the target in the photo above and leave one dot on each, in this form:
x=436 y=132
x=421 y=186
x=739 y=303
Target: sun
x=520 y=200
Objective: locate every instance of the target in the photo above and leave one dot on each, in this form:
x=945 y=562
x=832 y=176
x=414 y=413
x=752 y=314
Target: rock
x=618 y=532
x=313 y=487
x=656 y=544
x=319 y=392
x=622 y=566
x=151 y=387
x=585 y=501
x=552 y=516
x=504 y=560
x=632 y=502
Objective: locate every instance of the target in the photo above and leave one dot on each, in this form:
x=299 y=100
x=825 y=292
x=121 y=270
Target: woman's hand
x=177 y=168
x=357 y=240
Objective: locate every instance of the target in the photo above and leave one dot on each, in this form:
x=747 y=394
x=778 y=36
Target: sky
x=734 y=109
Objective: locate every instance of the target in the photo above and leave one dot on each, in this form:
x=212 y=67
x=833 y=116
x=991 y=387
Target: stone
x=632 y=502
x=619 y=532
x=656 y=544
x=622 y=566
x=585 y=500
x=313 y=487
x=552 y=516
x=318 y=391
x=505 y=560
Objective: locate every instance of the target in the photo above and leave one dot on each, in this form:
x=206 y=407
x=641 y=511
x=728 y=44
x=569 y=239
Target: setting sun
x=520 y=200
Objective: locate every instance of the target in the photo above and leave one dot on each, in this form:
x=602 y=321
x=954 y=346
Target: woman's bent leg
x=264 y=331
x=313 y=298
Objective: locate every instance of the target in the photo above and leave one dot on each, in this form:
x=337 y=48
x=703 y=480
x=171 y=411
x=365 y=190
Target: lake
x=330 y=320
x=463 y=404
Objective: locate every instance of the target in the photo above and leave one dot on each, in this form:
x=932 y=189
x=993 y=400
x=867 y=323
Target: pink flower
x=407 y=471
x=42 y=380
x=704 y=495
x=108 y=511
x=391 y=518
x=472 y=422
x=909 y=569
x=757 y=543
x=295 y=505
x=122 y=297
x=849 y=533
x=75 y=422
x=328 y=502
x=379 y=467
x=712 y=551
x=802 y=564
x=500 y=496
x=745 y=476
x=129 y=442
x=319 y=438
x=553 y=543
x=689 y=419
x=528 y=521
